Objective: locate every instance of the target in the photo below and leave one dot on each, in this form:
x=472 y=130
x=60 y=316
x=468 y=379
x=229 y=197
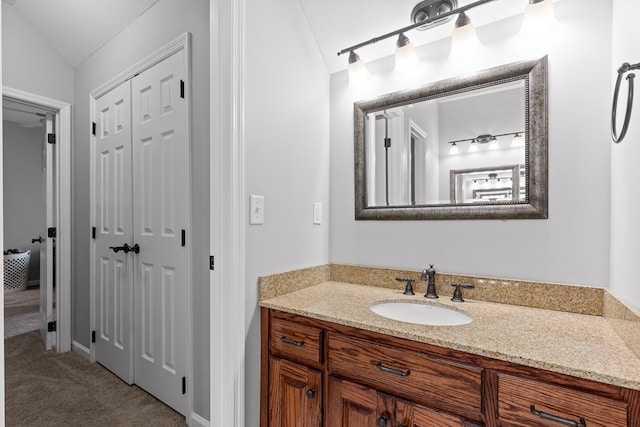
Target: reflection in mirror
x=486 y=185
x=412 y=148
x=467 y=147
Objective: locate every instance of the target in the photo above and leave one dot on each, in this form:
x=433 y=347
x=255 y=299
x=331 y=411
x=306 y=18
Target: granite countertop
x=581 y=345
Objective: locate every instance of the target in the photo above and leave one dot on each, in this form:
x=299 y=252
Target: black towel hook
x=627 y=117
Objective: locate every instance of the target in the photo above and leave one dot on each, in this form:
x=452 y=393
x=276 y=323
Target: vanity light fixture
x=357 y=70
x=538 y=18
x=486 y=138
x=453 y=150
x=431 y=13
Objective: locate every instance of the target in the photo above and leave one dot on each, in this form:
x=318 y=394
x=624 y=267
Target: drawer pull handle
x=292 y=342
x=393 y=371
x=311 y=392
x=557 y=419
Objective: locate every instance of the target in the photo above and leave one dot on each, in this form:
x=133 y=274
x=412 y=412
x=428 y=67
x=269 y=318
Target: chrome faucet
x=429 y=276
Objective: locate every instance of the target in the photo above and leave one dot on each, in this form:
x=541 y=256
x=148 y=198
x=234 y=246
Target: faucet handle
x=457 y=293
x=408 y=290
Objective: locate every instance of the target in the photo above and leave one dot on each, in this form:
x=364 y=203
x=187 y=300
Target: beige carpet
x=21 y=311
x=63 y=389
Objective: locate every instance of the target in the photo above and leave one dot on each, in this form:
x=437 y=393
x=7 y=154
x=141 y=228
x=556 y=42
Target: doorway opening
x=38 y=212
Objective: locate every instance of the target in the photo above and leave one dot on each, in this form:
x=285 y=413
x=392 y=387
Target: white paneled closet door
x=161 y=217
x=142 y=200
x=113 y=218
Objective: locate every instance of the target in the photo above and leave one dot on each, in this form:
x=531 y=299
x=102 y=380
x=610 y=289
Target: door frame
x=63 y=184
x=227 y=214
x=182 y=42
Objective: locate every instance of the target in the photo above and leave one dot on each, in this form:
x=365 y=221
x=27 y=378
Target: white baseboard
x=80 y=350
x=198 y=421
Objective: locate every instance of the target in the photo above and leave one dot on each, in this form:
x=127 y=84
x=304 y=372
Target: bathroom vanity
x=328 y=360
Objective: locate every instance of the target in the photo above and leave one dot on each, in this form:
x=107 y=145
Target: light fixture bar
x=459 y=10
x=487 y=135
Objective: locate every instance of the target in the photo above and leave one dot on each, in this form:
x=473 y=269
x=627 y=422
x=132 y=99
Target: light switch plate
x=317 y=213
x=256 y=209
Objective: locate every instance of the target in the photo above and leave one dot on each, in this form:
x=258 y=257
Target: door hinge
x=181 y=88
x=184 y=385
x=51 y=326
x=93 y=337
x=51 y=232
x=93 y=233
x=387 y=142
x=212 y=262
x=184 y=237
x=51 y=138
x=93 y=128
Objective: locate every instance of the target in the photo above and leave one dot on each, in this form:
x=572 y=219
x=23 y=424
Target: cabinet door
x=295 y=395
x=411 y=415
x=353 y=405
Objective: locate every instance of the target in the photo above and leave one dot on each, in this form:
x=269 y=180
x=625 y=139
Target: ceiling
x=77 y=28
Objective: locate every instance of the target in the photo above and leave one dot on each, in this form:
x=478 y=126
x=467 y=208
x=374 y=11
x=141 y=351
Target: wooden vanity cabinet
x=317 y=373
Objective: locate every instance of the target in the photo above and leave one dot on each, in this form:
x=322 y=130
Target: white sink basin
x=421 y=314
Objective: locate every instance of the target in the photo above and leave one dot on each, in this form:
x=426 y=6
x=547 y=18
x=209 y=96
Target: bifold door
x=142 y=215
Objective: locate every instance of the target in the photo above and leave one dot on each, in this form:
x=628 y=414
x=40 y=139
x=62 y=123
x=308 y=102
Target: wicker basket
x=16 y=271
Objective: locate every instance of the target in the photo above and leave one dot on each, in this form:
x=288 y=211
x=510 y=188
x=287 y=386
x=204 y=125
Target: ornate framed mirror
x=414 y=148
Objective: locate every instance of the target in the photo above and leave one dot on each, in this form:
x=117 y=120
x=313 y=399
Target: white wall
x=625 y=193
x=162 y=23
x=572 y=246
x=286 y=159
x=29 y=62
x=23 y=203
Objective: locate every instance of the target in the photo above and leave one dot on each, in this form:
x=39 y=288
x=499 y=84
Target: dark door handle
x=39 y=240
x=126 y=248
x=117 y=249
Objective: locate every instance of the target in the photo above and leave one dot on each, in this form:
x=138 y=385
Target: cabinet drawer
x=518 y=398
x=300 y=343
x=434 y=382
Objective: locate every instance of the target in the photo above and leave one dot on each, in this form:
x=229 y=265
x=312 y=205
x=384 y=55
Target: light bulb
x=454 y=149
x=357 y=70
x=406 y=58
x=539 y=18
x=464 y=40
x=493 y=145
x=473 y=147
